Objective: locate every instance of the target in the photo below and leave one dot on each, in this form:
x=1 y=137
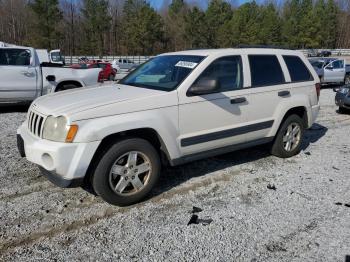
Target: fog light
x=48 y=161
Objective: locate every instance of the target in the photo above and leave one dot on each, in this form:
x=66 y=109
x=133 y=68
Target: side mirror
x=329 y=67
x=203 y=87
x=51 y=78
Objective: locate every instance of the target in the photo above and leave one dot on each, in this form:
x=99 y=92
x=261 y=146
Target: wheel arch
x=68 y=82
x=149 y=134
x=299 y=110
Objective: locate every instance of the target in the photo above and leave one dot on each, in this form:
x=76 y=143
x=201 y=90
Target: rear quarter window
x=265 y=70
x=297 y=69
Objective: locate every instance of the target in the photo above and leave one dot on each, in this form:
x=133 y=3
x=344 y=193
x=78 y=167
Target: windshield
x=163 y=72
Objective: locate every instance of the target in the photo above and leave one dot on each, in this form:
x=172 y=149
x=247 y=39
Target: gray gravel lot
x=299 y=221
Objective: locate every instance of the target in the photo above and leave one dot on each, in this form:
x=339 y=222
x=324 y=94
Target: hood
x=79 y=101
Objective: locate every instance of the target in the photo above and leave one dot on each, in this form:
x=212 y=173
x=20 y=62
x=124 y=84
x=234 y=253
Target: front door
x=216 y=119
x=334 y=72
x=18 y=77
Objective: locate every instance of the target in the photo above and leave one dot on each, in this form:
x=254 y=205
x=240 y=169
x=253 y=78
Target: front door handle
x=28 y=74
x=283 y=93
x=238 y=100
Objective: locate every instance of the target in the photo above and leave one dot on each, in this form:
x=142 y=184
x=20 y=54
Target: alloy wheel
x=130 y=173
x=292 y=137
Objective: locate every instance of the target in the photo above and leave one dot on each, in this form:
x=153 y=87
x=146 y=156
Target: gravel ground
x=299 y=221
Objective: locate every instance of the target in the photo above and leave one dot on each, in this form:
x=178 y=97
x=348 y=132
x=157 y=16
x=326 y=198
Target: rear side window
x=297 y=69
x=227 y=71
x=265 y=70
x=14 y=57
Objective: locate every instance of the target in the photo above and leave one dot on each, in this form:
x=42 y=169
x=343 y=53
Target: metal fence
x=135 y=59
x=141 y=59
x=335 y=52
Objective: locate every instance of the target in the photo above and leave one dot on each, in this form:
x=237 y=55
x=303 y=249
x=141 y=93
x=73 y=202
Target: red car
x=107 y=72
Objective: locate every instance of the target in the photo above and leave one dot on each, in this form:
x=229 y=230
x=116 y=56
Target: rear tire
x=342 y=110
x=288 y=140
x=127 y=172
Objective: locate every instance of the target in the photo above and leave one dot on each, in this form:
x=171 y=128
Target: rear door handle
x=283 y=93
x=238 y=100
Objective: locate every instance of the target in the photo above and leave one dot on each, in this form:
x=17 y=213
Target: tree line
x=134 y=27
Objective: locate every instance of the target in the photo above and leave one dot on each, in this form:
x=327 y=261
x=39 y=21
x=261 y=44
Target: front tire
x=127 y=172
x=289 y=137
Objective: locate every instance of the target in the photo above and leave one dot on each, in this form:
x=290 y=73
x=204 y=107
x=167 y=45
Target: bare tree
x=14 y=17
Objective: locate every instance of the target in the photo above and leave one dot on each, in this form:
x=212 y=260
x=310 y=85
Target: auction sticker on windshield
x=186 y=64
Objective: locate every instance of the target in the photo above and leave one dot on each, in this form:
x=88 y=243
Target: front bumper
x=64 y=164
x=61 y=181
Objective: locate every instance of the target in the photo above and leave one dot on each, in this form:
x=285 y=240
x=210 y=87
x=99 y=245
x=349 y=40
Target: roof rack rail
x=264 y=46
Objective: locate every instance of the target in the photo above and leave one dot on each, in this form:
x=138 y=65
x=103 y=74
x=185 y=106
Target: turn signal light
x=73 y=129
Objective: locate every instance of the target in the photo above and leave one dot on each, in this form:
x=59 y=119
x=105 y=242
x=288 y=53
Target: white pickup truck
x=25 y=75
x=331 y=70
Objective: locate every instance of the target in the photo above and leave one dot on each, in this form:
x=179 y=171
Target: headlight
x=344 y=90
x=57 y=129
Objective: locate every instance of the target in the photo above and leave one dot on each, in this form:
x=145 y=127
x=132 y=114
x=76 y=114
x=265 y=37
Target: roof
x=208 y=52
x=3 y=44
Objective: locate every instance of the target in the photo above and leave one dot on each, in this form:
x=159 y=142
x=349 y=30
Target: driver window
x=227 y=71
x=338 y=64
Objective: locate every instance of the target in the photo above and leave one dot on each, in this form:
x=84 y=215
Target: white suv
x=177 y=107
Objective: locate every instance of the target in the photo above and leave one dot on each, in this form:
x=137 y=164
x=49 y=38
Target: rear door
x=18 y=78
x=334 y=71
x=268 y=88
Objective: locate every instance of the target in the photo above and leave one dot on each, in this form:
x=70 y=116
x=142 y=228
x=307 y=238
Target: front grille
x=35 y=123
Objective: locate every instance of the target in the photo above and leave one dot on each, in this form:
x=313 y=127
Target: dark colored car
x=342 y=98
x=324 y=53
x=318 y=53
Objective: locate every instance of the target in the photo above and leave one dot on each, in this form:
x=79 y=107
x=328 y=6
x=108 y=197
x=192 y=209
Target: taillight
x=100 y=77
x=318 y=90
